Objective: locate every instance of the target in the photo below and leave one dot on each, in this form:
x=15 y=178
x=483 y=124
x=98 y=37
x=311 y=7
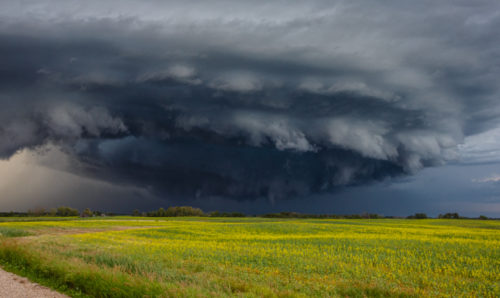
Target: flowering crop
x=259 y=257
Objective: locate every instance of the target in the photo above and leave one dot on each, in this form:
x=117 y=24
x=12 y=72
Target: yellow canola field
x=264 y=257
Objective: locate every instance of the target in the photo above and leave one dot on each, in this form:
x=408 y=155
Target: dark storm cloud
x=248 y=100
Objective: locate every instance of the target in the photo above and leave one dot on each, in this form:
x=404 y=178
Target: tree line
x=176 y=211
x=185 y=211
x=191 y=211
x=61 y=211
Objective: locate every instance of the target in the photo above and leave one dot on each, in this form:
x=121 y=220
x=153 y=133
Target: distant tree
x=184 y=211
x=136 y=212
x=215 y=214
x=284 y=214
x=87 y=213
x=161 y=212
x=66 y=211
x=418 y=216
x=226 y=214
x=37 y=212
x=177 y=211
x=449 y=216
x=483 y=217
x=12 y=213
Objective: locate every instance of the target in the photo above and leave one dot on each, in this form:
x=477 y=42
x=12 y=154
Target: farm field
x=254 y=257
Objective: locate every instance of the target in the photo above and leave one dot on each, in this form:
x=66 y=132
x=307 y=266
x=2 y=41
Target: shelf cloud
x=248 y=100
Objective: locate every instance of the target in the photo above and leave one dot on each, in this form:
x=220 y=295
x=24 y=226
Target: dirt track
x=14 y=286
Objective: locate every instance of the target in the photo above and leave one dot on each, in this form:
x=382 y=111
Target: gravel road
x=14 y=286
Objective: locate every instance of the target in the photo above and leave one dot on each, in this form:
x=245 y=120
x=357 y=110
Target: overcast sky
x=259 y=106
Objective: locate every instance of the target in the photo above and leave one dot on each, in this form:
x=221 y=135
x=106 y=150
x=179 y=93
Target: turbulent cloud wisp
x=248 y=100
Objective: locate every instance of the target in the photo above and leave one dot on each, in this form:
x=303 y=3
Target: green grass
x=75 y=278
x=255 y=257
x=13 y=232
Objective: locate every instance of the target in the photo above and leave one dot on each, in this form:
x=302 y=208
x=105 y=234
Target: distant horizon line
x=198 y=212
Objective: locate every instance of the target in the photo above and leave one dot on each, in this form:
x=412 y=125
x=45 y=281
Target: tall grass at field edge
x=76 y=278
x=13 y=232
